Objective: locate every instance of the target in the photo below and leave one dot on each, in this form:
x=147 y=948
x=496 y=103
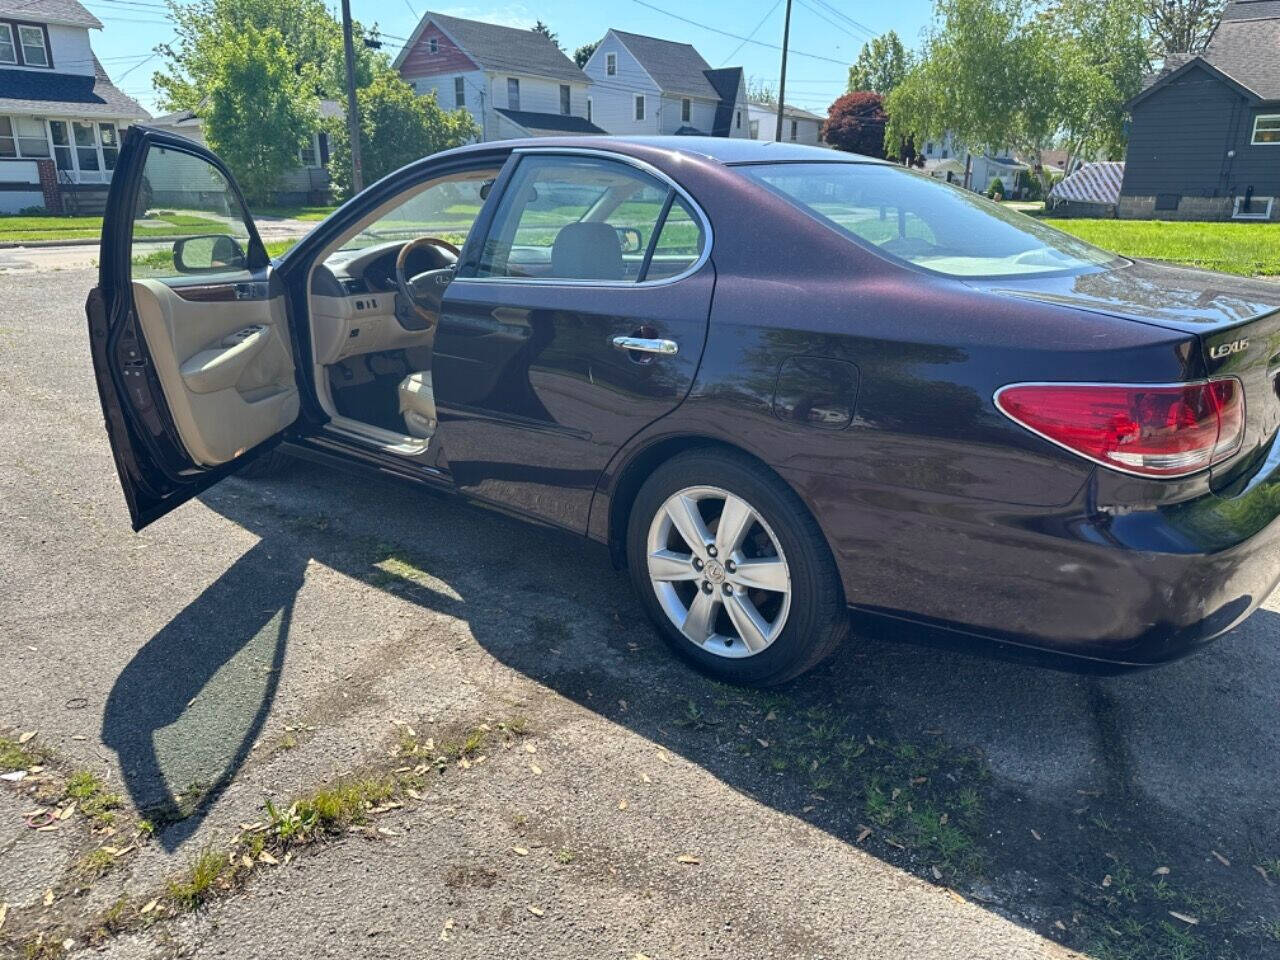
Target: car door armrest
x=220 y=367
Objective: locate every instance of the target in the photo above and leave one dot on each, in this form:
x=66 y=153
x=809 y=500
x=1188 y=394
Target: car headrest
x=587 y=251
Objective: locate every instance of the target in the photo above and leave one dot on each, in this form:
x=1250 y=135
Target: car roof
x=728 y=150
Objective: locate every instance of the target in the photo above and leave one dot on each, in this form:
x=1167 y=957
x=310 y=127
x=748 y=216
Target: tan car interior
x=225 y=365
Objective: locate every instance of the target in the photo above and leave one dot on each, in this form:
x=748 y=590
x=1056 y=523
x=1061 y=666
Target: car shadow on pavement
x=186 y=710
x=1102 y=812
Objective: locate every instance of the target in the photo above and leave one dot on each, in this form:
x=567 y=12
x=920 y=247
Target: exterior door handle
x=646 y=345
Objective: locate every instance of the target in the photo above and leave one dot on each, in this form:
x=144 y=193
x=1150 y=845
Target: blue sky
x=825 y=34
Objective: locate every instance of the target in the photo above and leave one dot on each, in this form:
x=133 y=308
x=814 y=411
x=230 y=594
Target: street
x=274 y=636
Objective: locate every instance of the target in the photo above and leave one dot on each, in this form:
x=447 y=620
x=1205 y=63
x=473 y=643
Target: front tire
x=733 y=570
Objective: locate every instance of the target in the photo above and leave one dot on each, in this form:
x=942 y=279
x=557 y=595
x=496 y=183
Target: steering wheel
x=425 y=290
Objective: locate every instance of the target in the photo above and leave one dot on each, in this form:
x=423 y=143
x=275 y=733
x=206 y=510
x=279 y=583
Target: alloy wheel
x=719 y=571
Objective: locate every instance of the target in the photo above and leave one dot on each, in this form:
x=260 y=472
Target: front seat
x=418 y=404
x=587 y=250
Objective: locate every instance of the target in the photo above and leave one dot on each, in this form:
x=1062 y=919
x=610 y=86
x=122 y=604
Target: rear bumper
x=1130 y=587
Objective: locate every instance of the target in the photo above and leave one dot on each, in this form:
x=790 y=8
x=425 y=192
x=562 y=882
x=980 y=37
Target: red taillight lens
x=1147 y=429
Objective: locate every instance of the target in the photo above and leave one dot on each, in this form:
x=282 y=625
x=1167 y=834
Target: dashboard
x=355 y=303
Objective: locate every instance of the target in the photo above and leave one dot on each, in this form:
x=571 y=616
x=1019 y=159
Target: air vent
x=356 y=285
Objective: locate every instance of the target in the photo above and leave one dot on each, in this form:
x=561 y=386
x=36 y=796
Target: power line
x=735 y=36
x=754 y=31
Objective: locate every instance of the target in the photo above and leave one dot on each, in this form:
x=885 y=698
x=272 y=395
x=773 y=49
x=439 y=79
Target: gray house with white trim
x=60 y=115
x=1204 y=142
x=645 y=85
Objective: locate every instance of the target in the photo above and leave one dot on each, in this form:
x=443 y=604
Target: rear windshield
x=925 y=222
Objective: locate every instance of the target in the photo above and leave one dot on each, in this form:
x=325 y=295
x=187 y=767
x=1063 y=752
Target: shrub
x=996 y=190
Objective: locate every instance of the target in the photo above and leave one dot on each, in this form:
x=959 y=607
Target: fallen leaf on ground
x=48 y=896
x=444 y=933
x=916 y=781
x=808 y=809
x=1036 y=834
x=1106 y=881
x=26 y=737
x=1183 y=917
x=151 y=905
x=464 y=763
x=1263 y=874
x=386 y=833
x=1220 y=858
x=536 y=911
x=265 y=857
x=645 y=778
x=937 y=874
x=687 y=858
x=622 y=804
x=248 y=863
x=67 y=811
x=4 y=912
x=1160 y=872
x=863 y=833
x=1060 y=925
x=14 y=776
x=520 y=851
x=288 y=856
x=530 y=748
x=665 y=758
x=764 y=743
x=536 y=770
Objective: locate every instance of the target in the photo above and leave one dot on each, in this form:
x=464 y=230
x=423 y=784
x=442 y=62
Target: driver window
x=576 y=218
x=182 y=193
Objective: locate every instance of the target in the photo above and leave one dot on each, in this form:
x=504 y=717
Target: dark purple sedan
x=778 y=382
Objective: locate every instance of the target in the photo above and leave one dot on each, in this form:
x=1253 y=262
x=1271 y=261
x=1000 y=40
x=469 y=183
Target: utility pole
x=782 y=83
x=353 y=109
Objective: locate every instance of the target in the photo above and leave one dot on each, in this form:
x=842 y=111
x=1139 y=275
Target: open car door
x=190 y=339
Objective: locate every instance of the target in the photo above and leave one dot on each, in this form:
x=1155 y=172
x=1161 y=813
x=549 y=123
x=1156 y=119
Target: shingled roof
x=31 y=91
x=550 y=124
x=499 y=48
x=674 y=67
x=1244 y=48
x=50 y=11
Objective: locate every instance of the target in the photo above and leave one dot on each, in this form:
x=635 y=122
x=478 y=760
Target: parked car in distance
x=779 y=382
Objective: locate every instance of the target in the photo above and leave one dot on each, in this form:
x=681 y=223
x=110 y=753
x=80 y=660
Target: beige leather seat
x=418 y=404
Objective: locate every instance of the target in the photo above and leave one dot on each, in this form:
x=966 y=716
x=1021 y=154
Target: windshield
x=925 y=222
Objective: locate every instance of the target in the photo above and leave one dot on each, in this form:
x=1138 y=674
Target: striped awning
x=1092 y=183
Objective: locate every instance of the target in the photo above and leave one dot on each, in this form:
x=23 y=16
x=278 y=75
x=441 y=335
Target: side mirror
x=208 y=253
x=629 y=239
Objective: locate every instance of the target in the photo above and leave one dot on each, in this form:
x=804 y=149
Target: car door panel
x=534 y=398
x=224 y=364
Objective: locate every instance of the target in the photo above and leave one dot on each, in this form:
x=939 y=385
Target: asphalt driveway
x=902 y=801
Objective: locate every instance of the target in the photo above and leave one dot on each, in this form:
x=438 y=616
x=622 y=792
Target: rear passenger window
x=588 y=219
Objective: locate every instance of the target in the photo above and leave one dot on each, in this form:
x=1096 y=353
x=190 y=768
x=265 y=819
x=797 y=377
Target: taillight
x=1152 y=430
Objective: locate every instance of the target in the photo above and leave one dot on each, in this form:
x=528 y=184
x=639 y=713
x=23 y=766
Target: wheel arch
x=641 y=463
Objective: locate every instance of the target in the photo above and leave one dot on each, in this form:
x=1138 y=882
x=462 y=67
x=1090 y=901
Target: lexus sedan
x=779 y=382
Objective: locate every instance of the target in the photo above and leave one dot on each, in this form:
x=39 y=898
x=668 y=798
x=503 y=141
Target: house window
x=611 y=64
x=793 y=129
x=314 y=153
x=639 y=106
x=513 y=93
x=459 y=91
x=753 y=128
x=928 y=149
x=1266 y=130
x=110 y=138
x=737 y=119
x=686 y=109
x=564 y=99
x=434 y=45
x=32 y=140
x=34 y=51
x=61 y=145
x=588 y=110
x=8 y=52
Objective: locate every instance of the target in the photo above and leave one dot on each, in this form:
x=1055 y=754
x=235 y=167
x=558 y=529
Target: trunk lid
x=1235 y=320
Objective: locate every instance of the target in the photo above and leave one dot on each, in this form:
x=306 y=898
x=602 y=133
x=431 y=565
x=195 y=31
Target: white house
x=60 y=116
x=947 y=160
x=644 y=85
x=798 y=126
x=513 y=81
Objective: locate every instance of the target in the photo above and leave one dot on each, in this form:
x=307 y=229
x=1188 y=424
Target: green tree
x=992 y=74
x=584 y=52
x=258 y=110
x=760 y=90
x=397 y=126
x=1180 y=26
x=543 y=29
x=881 y=65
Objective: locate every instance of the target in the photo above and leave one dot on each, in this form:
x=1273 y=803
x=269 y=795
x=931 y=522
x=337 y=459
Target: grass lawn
x=159 y=263
x=295 y=213
x=1248 y=249
x=19 y=229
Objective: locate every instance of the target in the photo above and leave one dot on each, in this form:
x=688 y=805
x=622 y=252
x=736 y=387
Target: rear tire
x=759 y=600
x=273 y=463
